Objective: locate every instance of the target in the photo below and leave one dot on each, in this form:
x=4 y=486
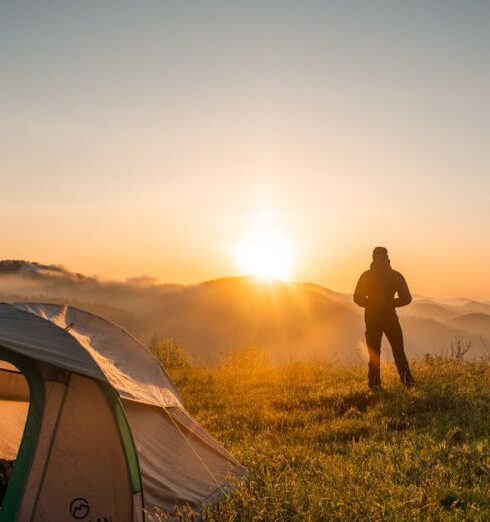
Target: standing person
x=376 y=292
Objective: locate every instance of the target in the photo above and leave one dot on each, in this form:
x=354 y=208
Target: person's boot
x=407 y=379
x=375 y=388
x=374 y=378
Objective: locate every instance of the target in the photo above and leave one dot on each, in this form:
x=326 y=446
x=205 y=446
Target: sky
x=149 y=138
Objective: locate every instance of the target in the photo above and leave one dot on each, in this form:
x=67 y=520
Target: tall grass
x=319 y=446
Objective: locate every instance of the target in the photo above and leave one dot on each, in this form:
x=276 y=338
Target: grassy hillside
x=319 y=446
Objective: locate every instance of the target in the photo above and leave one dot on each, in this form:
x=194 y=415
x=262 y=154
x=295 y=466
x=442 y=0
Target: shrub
x=172 y=355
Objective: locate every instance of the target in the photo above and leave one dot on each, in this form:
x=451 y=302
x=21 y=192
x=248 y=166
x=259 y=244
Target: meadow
x=318 y=445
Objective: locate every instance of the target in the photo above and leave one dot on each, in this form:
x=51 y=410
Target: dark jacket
x=377 y=288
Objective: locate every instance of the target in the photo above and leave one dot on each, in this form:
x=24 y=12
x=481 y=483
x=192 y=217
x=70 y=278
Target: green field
x=319 y=446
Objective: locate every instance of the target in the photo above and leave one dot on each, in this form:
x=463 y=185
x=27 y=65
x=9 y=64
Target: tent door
x=20 y=414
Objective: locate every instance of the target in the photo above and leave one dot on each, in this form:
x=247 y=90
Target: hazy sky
x=143 y=138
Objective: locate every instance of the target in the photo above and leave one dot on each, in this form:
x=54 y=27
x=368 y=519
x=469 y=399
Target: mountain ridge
x=294 y=321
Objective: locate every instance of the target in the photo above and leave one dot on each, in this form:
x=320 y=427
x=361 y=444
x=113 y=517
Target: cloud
x=142 y=281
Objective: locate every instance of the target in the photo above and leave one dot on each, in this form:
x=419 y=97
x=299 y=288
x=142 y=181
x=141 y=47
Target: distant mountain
x=294 y=321
x=345 y=299
x=430 y=336
x=429 y=310
x=475 y=307
x=476 y=323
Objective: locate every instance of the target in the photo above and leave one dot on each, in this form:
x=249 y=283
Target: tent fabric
x=128 y=365
x=29 y=335
x=176 y=468
x=87 y=453
x=192 y=429
x=54 y=393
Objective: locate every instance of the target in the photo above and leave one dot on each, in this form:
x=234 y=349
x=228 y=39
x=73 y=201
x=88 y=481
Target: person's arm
x=360 y=293
x=404 y=297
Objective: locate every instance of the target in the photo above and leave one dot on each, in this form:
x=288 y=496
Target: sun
x=266 y=253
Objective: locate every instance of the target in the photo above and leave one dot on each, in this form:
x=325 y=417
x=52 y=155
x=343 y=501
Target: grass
x=319 y=446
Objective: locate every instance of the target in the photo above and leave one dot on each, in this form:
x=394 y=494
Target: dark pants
x=378 y=324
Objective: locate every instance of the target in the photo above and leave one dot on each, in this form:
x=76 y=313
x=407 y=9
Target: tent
x=95 y=426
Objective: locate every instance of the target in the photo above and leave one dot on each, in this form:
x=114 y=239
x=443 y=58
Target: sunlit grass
x=319 y=446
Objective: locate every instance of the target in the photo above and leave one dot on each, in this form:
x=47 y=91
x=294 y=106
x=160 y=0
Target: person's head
x=380 y=254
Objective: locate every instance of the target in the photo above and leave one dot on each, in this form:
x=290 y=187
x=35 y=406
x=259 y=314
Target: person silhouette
x=380 y=290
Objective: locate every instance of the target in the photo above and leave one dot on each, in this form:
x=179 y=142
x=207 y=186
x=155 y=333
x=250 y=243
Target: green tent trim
x=126 y=438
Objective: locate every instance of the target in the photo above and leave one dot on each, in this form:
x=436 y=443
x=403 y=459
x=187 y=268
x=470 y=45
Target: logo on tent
x=79 y=508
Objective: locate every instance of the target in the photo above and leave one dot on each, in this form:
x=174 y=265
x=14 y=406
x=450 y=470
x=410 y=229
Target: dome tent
x=106 y=436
